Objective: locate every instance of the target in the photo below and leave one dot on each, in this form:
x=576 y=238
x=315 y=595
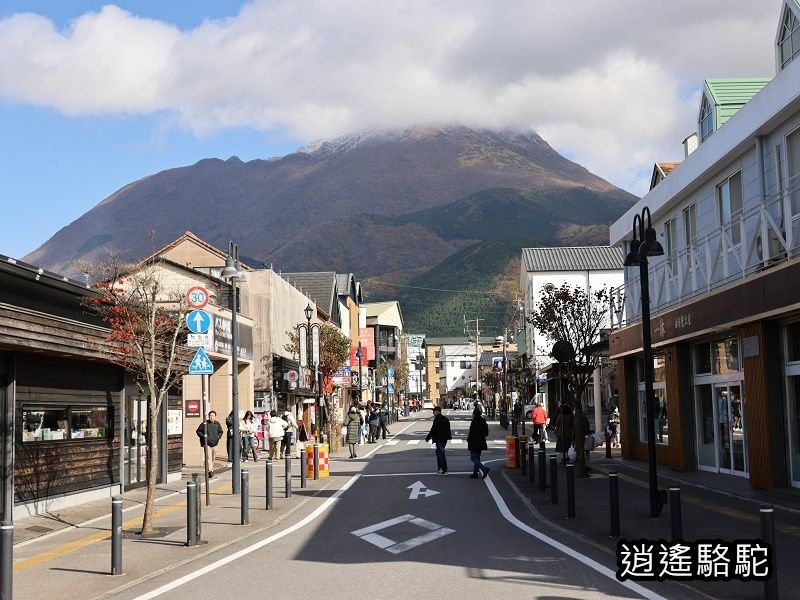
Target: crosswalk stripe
x=456 y=441
x=413 y=442
x=392 y=442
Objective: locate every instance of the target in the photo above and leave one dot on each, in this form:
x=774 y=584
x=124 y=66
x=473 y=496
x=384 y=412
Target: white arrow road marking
x=417 y=491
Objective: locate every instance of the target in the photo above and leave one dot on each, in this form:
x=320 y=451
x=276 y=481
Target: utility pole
x=477 y=349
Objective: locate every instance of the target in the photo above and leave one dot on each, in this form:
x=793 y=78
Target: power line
x=413 y=287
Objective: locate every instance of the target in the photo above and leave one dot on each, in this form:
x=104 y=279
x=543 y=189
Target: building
x=724 y=297
x=442 y=380
x=385 y=320
x=415 y=360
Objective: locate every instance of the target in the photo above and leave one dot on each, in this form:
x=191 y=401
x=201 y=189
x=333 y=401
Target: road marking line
x=382 y=525
x=253 y=547
x=420 y=539
x=413 y=442
x=457 y=441
x=376 y=538
x=418 y=474
x=592 y=564
x=392 y=442
x=378 y=447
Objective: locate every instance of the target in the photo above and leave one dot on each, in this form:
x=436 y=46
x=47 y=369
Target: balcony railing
x=755 y=240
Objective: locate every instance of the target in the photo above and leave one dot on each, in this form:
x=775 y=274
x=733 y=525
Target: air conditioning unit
x=776 y=251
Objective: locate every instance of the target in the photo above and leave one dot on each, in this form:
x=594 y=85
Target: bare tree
x=573 y=315
x=146 y=322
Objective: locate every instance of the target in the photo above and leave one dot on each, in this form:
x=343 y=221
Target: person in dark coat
x=565 y=422
x=374 y=423
x=384 y=421
x=353 y=425
x=476 y=443
x=440 y=434
x=210 y=432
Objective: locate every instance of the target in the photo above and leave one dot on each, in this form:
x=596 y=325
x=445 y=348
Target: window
x=789 y=40
x=793 y=343
x=706 y=119
x=465 y=364
x=50 y=423
x=436 y=354
x=689 y=226
x=660 y=400
x=729 y=199
x=720 y=357
x=671 y=249
x=452 y=363
x=793 y=170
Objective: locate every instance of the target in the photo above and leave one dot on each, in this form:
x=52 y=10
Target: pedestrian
x=248 y=429
x=384 y=420
x=476 y=443
x=277 y=427
x=539 y=418
x=564 y=426
x=440 y=434
x=210 y=433
x=362 y=429
x=289 y=434
x=614 y=422
x=229 y=440
x=374 y=423
x=354 y=423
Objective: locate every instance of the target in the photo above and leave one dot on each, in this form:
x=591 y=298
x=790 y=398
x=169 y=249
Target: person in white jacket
x=277 y=427
x=248 y=429
x=291 y=431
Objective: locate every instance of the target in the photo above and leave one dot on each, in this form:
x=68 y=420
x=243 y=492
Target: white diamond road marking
x=369 y=534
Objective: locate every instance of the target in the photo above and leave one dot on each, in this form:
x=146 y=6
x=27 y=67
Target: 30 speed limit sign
x=197 y=297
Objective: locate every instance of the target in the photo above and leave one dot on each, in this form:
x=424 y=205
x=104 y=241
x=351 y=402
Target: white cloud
x=608 y=82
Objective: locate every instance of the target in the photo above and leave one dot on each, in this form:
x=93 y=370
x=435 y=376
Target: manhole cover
x=39 y=529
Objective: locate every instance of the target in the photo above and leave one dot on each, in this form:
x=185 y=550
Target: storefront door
x=793 y=414
x=721 y=426
x=136 y=429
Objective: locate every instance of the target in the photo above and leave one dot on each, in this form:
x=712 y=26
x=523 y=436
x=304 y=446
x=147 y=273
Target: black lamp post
x=639 y=251
x=308 y=334
x=232 y=273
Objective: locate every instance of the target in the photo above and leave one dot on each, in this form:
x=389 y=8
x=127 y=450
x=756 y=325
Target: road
x=395 y=529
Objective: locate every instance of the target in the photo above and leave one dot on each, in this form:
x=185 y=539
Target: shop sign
x=198 y=340
x=193 y=408
x=174 y=422
x=354 y=358
x=367 y=337
x=342 y=376
x=223 y=340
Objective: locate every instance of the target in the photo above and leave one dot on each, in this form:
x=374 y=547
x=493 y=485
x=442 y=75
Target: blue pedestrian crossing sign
x=201 y=364
x=390 y=389
x=198 y=321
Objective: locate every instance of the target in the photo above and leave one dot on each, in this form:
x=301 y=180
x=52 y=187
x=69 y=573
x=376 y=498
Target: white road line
x=413 y=442
x=378 y=447
x=382 y=525
x=423 y=474
x=260 y=544
x=592 y=564
x=392 y=442
x=419 y=540
x=456 y=441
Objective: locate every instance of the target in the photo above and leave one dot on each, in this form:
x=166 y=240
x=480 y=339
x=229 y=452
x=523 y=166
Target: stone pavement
x=713 y=506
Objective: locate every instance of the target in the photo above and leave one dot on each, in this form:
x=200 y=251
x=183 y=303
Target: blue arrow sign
x=390 y=372
x=201 y=364
x=198 y=321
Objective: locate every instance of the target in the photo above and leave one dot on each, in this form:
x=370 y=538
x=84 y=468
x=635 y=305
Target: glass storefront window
x=726 y=356
x=702 y=359
x=793 y=342
x=660 y=398
x=51 y=423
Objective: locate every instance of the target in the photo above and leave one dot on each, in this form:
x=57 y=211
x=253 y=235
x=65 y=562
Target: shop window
x=661 y=424
x=793 y=342
x=702 y=359
x=49 y=423
x=726 y=356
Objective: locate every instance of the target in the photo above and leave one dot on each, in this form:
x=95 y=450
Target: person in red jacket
x=539 y=418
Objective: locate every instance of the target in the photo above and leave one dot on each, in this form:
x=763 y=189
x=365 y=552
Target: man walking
x=440 y=434
x=476 y=443
x=384 y=416
x=539 y=418
x=210 y=433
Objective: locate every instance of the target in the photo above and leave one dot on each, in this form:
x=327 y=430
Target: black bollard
x=571 y=490
x=553 y=479
x=245 y=492
x=523 y=456
x=316 y=461
x=542 y=443
x=613 y=490
x=288 y=464
x=514 y=427
x=542 y=471
x=199 y=494
x=608 y=446
x=116 y=535
x=191 y=513
x=6 y=559
x=531 y=464
x=269 y=483
x=516 y=450
x=675 y=512
x=303 y=469
x=768 y=537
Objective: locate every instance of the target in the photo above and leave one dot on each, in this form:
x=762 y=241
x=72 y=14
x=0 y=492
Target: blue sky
x=95 y=95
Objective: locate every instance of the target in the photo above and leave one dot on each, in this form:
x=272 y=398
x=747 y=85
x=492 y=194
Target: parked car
x=427 y=405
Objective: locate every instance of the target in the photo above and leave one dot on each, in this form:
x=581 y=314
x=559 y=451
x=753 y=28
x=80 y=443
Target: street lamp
x=639 y=251
x=232 y=273
x=308 y=337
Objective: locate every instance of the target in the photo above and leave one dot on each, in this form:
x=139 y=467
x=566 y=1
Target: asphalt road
x=379 y=531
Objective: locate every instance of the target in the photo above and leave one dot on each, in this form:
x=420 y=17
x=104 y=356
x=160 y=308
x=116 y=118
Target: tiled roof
x=667 y=167
x=320 y=287
x=576 y=258
x=729 y=95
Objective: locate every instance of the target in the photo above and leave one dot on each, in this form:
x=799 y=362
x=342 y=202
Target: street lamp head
x=632 y=258
x=230 y=272
x=650 y=245
x=309 y=312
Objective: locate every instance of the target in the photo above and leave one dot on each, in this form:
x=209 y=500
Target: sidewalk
x=729 y=513
x=57 y=555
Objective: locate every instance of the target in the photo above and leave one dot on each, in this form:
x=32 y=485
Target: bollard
x=523 y=456
x=608 y=446
x=269 y=483
x=6 y=559
x=613 y=490
x=542 y=471
x=116 y=535
x=768 y=537
x=288 y=465
x=303 y=467
x=245 y=493
x=571 y=490
x=196 y=480
x=553 y=479
x=514 y=427
x=316 y=461
x=531 y=464
x=675 y=512
x=191 y=514
x=516 y=450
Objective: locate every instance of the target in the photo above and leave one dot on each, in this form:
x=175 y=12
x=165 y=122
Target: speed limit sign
x=197 y=297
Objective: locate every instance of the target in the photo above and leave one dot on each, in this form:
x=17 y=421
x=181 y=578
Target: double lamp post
x=308 y=339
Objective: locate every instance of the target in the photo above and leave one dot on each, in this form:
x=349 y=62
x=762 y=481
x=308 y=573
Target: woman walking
x=248 y=429
x=354 y=423
x=476 y=443
x=277 y=428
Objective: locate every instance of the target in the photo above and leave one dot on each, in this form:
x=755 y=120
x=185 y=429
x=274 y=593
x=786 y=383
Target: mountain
x=380 y=203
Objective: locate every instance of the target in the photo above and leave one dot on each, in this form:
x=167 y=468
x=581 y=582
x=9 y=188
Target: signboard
x=198 y=340
x=367 y=337
x=198 y=321
x=390 y=373
x=197 y=297
x=193 y=409
x=175 y=422
x=390 y=388
x=354 y=379
x=343 y=375
x=291 y=376
x=201 y=364
x=223 y=340
x=354 y=358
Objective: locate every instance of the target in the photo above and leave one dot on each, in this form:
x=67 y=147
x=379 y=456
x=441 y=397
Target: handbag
x=344 y=430
x=571 y=454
